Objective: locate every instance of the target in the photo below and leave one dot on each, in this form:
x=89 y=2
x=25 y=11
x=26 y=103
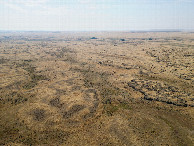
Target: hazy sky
x=96 y=15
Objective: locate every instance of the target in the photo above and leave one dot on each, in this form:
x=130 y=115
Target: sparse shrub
x=30 y=85
x=2 y=61
x=39 y=114
x=93 y=38
x=110 y=109
x=36 y=78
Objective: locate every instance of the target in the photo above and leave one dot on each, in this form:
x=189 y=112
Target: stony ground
x=99 y=88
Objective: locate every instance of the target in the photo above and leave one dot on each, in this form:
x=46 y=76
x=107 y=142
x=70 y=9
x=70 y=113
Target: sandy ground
x=119 y=88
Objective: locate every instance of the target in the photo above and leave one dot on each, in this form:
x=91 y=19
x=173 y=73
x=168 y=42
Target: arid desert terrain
x=97 y=88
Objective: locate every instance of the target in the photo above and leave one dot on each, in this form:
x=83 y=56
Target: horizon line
x=145 y=30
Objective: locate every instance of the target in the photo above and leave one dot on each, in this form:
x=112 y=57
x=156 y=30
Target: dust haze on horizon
x=93 y=15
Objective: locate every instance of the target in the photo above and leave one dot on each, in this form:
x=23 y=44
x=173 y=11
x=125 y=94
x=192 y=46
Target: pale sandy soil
x=68 y=89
